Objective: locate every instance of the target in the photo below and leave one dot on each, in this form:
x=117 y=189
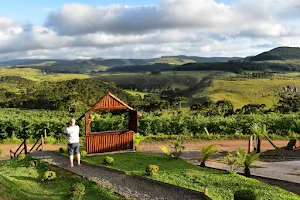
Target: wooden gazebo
x=112 y=140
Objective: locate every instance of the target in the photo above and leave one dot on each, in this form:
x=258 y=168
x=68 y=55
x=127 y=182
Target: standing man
x=73 y=141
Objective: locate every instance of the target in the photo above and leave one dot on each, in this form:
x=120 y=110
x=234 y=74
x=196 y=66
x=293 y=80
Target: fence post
x=250 y=145
x=43 y=146
x=25 y=145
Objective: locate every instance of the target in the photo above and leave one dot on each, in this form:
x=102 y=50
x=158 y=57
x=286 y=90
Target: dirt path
x=227 y=145
x=6 y=148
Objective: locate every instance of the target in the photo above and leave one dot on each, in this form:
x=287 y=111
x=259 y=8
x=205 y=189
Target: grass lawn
x=17 y=181
x=179 y=172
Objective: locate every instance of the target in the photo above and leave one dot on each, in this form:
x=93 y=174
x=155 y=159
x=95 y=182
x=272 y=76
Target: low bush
x=233 y=162
x=177 y=148
x=49 y=175
x=244 y=195
x=33 y=163
x=152 y=170
x=12 y=140
x=137 y=140
x=21 y=156
x=63 y=150
x=108 y=160
x=50 y=140
x=1 y=152
x=83 y=153
x=78 y=191
x=206 y=152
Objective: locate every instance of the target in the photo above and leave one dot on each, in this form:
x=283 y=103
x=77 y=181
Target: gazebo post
x=87 y=131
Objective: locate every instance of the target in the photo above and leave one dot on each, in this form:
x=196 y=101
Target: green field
x=18 y=181
x=221 y=185
x=254 y=91
x=38 y=75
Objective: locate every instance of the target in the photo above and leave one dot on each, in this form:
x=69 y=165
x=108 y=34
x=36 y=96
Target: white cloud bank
x=190 y=27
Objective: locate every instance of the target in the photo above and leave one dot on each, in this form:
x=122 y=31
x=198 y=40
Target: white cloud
x=191 y=27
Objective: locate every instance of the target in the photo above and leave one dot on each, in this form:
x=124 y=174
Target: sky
x=67 y=29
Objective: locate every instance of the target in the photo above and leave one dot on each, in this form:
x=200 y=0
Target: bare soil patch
x=7 y=147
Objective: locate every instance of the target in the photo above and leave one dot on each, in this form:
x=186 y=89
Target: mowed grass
x=221 y=185
x=38 y=75
x=254 y=91
x=17 y=181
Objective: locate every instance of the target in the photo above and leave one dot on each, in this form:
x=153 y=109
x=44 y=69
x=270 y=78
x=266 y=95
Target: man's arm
x=66 y=131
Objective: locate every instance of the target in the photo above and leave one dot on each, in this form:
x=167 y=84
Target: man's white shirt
x=73 y=134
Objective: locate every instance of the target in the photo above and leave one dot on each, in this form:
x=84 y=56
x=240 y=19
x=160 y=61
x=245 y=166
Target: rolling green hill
x=280 y=53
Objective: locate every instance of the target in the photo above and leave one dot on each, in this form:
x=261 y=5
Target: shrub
x=244 y=195
x=61 y=150
x=50 y=140
x=137 y=140
x=152 y=170
x=13 y=140
x=33 y=163
x=108 y=160
x=78 y=191
x=233 y=162
x=21 y=156
x=83 y=153
x=206 y=152
x=1 y=152
x=247 y=160
x=177 y=147
x=165 y=150
x=49 y=175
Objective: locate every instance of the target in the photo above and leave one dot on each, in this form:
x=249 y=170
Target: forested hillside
x=71 y=95
x=280 y=53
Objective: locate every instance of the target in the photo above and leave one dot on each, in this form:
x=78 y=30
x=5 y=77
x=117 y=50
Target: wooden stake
x=206 y=191
x=43 y=146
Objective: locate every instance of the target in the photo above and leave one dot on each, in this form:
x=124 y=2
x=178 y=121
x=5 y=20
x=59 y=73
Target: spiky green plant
x=206 y=152
x=165 y=150
x=233 y=162
x=177 y=145
x=247 y=160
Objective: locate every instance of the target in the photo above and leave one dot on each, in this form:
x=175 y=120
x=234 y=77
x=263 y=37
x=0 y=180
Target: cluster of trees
x=286 y=104
x=238 y=66
x=254 y=75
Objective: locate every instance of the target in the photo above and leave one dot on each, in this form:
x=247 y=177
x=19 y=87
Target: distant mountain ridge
x=280 y=54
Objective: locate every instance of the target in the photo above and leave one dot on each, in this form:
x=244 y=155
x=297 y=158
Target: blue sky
x=174 y=27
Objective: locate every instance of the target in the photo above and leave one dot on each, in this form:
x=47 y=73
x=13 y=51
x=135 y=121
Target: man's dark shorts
x=73 y=147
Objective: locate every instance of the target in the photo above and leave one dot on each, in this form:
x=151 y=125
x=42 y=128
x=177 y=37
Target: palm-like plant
x=206 y=152
x=233 y=162
x=165 y=150
x=247 y=160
